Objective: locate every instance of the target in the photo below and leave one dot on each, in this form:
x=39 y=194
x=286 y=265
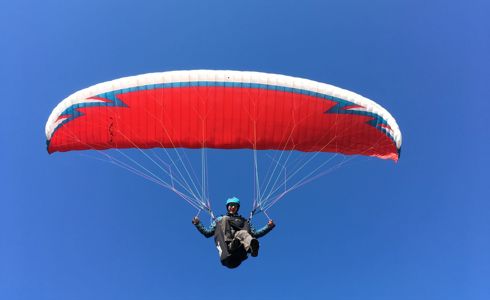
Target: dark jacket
x=237 y=222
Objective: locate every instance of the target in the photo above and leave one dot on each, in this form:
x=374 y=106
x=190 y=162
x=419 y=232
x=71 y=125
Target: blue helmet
x=233 y=200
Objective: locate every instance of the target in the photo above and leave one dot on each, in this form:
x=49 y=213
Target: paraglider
x=222 y=109
x=234 y=236
x=207 y=109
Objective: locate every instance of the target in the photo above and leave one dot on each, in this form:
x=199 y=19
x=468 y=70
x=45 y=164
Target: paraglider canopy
x=225 y=110
x=222 y=109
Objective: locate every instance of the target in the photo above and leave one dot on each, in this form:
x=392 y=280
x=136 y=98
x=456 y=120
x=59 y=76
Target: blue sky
x=74 y=228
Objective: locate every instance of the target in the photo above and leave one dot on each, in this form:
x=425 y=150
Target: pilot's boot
x=254 y=247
